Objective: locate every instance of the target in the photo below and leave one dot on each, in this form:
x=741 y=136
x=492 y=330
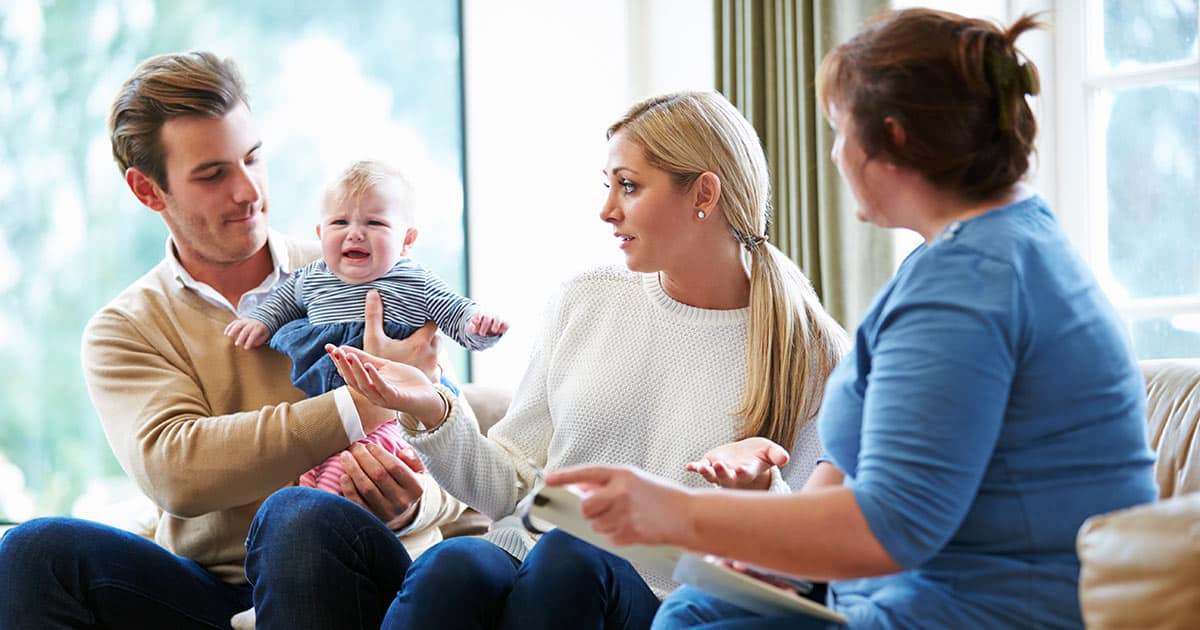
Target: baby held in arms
x=366 y=231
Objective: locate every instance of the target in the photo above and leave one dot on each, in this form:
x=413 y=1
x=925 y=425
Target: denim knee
x=466 y=565
x=457 y=583
x=559 y=557
x=39 y=541
x=689 y=607
x=297 y=514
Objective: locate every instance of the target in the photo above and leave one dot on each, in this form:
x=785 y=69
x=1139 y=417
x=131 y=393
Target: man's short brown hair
x=196 y=83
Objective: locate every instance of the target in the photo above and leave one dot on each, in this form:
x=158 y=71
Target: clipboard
x=545 y=508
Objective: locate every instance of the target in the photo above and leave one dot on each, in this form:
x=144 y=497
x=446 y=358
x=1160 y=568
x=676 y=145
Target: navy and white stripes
x=411 y=293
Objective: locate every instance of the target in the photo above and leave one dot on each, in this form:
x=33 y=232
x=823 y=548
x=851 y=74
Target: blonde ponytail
x=794 y=345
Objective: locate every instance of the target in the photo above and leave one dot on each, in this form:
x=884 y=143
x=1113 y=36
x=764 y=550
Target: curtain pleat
x=767 y=54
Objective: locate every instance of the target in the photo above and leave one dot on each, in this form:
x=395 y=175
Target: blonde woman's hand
x=630 y=506
x=388 y=384
x=742 y=465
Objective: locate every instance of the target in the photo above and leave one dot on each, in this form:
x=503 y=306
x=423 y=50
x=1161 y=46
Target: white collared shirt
x=281 y=269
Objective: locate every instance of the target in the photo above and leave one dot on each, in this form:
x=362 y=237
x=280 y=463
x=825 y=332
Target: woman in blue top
x=991 y=401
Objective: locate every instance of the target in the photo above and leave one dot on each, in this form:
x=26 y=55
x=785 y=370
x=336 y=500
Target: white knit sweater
x=621 y=374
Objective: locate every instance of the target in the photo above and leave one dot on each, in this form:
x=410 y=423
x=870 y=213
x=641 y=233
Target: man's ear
x=145 y=189
x=410 y=237
x=707 y=191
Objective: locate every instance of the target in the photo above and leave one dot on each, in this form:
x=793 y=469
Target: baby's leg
x=325 y=476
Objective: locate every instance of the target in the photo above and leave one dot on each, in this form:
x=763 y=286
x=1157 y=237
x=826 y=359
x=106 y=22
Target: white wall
x=543 y=80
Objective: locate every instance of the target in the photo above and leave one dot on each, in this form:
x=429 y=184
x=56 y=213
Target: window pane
x=1149 y=31
x=328 y=81
x=1167 y=338
x=1153 y=180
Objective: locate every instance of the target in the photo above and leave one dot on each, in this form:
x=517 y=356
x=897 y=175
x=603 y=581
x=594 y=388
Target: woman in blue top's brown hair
x=991 y=402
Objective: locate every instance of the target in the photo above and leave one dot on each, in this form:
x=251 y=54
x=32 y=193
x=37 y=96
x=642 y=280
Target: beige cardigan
x=207 y=430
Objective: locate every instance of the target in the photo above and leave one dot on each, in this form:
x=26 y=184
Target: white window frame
x=1080 y=190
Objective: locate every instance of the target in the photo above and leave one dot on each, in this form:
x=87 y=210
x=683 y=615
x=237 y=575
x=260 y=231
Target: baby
x=366 y=231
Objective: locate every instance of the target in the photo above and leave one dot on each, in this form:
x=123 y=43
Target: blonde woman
x=709 y=336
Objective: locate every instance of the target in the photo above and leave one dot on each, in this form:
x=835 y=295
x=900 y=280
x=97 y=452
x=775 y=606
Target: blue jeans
x=688 y=607
x=563 y=583
x=70 y=573
x=317 y=560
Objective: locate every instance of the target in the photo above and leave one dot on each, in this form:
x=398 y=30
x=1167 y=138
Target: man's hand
x=385 y=484
x=742 y=465
x=419 y=349
x=247 y=333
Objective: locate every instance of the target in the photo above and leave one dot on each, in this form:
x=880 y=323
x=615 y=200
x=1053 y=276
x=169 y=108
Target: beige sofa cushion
x=1173 y=411
x=489 y=403
x=1140 y=568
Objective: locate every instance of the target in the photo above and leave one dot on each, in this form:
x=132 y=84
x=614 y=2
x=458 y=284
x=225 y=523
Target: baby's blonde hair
x=362 y=176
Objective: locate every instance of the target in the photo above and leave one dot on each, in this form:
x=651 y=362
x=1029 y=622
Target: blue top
x=990 y=404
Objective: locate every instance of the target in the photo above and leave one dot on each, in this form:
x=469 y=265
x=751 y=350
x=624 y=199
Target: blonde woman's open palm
x=385 y=383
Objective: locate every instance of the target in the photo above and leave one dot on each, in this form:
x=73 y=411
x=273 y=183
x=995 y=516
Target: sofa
x=1140 y=567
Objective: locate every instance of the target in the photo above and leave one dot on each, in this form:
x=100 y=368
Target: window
x=328 y=82
x=1129 y=167
x=1119 y=151
x=536 y=144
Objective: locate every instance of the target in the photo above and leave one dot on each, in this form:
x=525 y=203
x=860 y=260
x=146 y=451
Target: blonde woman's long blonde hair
x=793 y=343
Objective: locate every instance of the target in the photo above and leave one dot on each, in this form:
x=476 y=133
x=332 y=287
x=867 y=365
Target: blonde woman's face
x=650 y=216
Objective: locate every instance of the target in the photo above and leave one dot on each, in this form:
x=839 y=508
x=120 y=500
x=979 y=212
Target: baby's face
x=364 y=236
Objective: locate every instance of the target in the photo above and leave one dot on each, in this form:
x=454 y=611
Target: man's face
x=217 y=205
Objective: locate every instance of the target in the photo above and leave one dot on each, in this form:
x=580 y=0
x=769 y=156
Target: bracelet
x=417 y=427
x=446 y=404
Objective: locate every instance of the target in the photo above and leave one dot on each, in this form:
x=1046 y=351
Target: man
x=207 y=430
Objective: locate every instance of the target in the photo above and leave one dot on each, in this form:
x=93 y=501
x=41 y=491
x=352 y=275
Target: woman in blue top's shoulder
x=991 y=401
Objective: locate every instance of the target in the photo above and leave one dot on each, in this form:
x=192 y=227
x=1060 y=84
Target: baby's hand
x=487 y=325
x=247 y=333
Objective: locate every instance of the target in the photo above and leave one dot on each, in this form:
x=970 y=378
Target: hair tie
x=1029 y=80
x=750 y=242
x=1003 y=74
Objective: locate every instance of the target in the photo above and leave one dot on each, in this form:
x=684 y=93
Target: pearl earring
x=700 y=214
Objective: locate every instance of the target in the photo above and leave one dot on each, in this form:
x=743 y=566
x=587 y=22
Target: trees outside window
x=329 y=82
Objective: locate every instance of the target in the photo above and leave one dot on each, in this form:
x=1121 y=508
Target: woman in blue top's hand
x=991 y=401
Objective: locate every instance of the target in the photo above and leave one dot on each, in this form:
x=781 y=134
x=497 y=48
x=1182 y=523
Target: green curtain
x=767 y=54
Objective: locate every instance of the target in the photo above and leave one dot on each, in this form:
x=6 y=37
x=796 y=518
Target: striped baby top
x=412 y=295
